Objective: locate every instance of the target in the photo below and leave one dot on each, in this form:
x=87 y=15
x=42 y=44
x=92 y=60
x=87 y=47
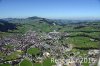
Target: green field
x=33 y=51
x=26 y=62
x=82 y=42
x=5 y=65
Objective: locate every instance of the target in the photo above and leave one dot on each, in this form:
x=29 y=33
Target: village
x=49 y=47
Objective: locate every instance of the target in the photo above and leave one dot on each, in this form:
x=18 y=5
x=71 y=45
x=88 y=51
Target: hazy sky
x=50 y=8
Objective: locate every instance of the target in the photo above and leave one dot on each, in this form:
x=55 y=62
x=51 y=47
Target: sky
x=50 y=8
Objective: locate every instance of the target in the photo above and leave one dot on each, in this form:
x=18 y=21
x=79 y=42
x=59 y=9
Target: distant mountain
x=34 y=17
x=50 y=21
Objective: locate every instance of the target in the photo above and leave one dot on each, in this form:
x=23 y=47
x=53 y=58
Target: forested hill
x=5 y=25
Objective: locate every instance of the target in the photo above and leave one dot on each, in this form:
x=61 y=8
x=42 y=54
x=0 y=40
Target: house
x=46 y=54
